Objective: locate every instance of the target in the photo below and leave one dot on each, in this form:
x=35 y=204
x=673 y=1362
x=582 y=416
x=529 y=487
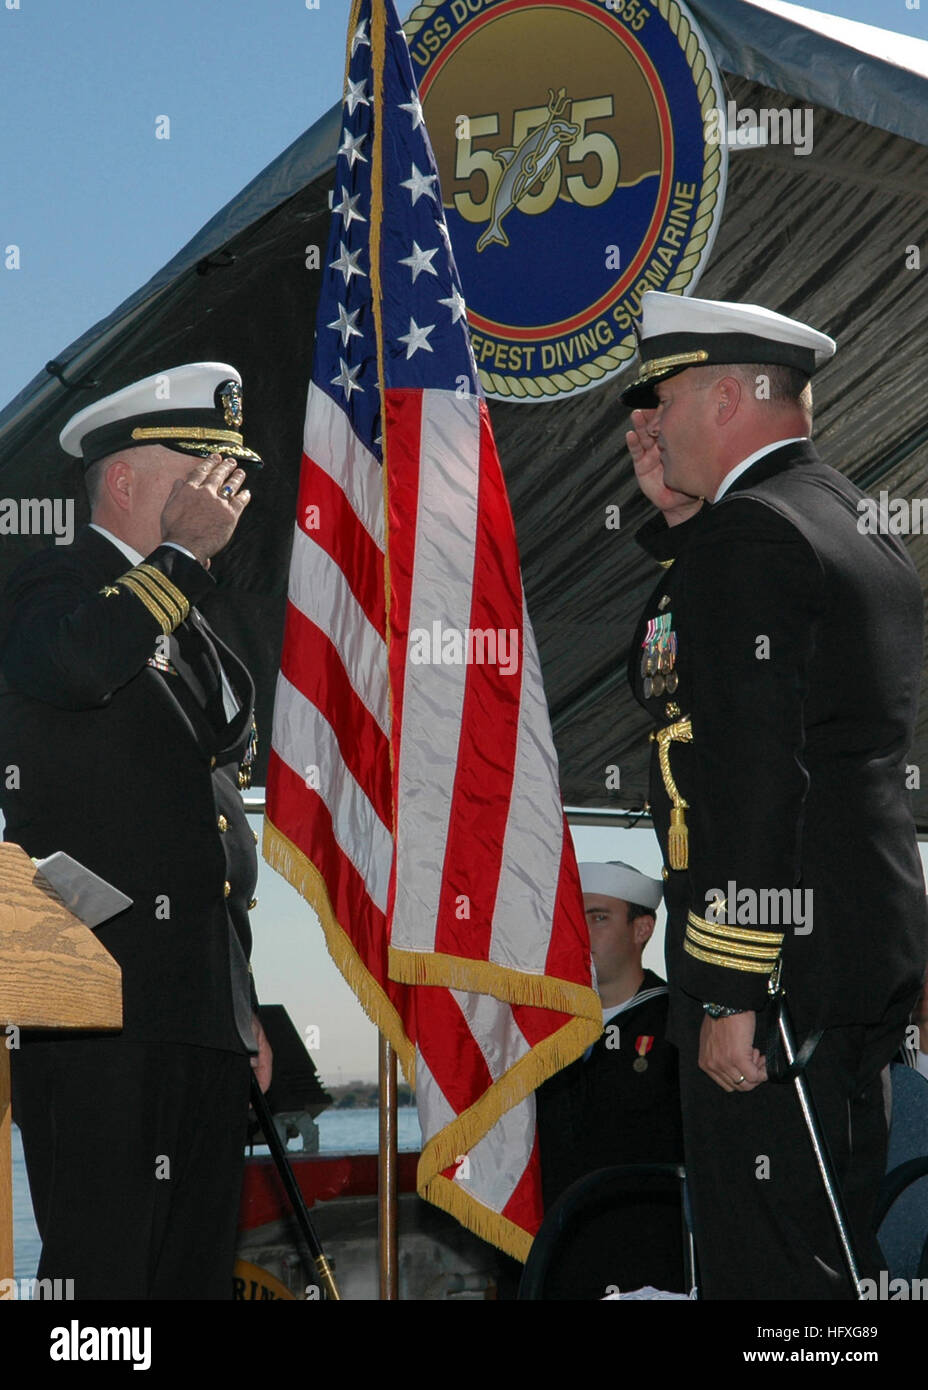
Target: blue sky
x=97 y=204
x=94 y=200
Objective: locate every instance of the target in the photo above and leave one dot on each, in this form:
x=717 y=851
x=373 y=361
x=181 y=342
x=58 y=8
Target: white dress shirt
x=745 y=464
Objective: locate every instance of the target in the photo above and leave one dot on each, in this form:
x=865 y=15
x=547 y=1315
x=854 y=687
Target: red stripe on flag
x=335 y=526
x=451 y=1051
x=525 y=1207
x=303 y=817
x=311 y=662
x=536 y=1025
x=570 y=943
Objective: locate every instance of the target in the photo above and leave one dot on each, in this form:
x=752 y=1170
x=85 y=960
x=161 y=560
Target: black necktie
x=198 y=652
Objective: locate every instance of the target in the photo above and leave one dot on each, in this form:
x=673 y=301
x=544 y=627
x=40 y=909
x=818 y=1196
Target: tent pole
x=388 y=1164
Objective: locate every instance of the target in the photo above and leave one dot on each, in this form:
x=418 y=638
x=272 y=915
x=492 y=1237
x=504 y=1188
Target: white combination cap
x=678 y=332
x=195 y=408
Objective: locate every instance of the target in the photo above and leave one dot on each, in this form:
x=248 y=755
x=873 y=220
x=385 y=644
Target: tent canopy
x=821 y=237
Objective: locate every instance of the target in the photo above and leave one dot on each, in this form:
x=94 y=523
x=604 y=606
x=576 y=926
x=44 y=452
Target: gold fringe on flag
x=283 y=855
x=456 y=1140
x=486 y=977
x=450 y=1144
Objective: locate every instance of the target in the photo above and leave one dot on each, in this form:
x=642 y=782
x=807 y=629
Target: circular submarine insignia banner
x=576 y=170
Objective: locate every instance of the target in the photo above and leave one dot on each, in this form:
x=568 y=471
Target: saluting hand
x=649 y=470
x=203 y=509
x=727 y=1052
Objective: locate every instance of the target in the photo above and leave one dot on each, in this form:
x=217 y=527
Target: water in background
x=340 y=1132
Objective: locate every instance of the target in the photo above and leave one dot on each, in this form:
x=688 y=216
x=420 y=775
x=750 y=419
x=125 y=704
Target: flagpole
x=389 y=1280
x=387 y=1173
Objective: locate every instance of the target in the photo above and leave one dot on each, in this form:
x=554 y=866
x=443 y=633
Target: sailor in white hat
x=621 y=907
x=779 y=659
x=620 y=1102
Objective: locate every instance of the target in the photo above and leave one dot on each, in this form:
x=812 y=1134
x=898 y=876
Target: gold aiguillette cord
x=677 y=835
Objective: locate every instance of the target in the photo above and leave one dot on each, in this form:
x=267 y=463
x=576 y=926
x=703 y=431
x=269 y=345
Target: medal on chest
x=159 y=662
x=659 y=656
x=643 y=1046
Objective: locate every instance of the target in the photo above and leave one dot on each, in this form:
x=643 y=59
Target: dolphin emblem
x=534 y=159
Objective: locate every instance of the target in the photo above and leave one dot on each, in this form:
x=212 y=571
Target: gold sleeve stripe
x=756 y=967
x=757 y=952
x=665 y=564
x=727 y=933
x=162 y=617
x=168 y=604
x=169 y=588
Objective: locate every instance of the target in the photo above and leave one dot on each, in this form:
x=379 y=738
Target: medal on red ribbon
x=643 y=1046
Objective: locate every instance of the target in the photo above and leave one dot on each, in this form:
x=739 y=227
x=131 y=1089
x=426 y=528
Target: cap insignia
x=230 y=396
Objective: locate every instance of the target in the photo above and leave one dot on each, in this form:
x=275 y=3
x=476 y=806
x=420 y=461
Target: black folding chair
x=595 y=1191
x=902 y=1211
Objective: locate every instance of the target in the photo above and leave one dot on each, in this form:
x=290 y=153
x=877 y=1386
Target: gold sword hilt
x=324 y=1270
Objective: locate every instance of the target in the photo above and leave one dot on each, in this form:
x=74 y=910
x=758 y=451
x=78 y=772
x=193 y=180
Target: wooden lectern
x=53 y=974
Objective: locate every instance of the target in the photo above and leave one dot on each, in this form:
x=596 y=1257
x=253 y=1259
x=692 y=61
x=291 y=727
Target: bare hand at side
x=727 y=1052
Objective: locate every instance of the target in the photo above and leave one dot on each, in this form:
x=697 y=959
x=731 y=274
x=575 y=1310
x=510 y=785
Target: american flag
x=413 y=789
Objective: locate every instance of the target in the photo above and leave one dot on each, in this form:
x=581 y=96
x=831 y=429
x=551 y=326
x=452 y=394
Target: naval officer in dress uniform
x=779 y=656
x=619 y=1103
x=132 y=729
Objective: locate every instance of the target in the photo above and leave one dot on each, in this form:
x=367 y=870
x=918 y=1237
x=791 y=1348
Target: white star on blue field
x=425 y=334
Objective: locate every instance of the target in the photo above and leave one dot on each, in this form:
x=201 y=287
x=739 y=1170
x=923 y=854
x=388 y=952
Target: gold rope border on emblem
x=567 y=382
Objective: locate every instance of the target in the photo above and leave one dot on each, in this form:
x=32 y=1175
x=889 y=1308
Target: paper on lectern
x=83 y=892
